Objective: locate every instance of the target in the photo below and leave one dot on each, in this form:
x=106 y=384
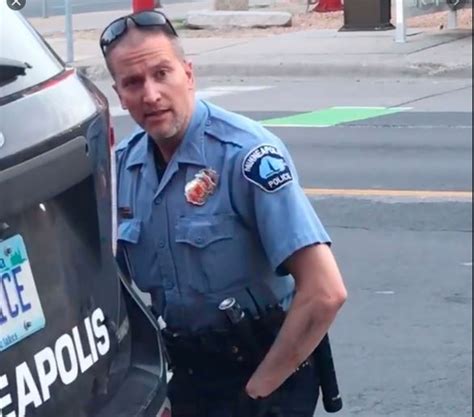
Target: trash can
x=362 y=15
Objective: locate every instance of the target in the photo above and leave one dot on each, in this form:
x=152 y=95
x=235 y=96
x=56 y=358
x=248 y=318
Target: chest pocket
x=140 y=262
x=208 y=249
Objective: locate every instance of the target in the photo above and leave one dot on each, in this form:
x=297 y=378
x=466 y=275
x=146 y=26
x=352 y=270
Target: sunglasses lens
x=113 y=32
x=149 y=19
x=154 y=19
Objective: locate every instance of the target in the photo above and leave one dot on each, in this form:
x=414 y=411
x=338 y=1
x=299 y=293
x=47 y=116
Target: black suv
x=75 y=339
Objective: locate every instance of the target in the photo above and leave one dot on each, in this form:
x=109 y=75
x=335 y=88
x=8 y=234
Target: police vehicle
x=75 y=340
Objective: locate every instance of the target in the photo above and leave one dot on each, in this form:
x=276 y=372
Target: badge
x=266 y=167
x=201 y=187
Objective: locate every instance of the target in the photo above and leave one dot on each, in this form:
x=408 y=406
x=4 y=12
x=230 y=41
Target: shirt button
x=162 y=244
x=158 y=201
x=199 y=240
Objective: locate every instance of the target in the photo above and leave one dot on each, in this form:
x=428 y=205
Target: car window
x=20 y=43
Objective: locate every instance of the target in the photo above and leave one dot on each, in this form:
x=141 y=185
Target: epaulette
x=233 y=128
x=125 y=143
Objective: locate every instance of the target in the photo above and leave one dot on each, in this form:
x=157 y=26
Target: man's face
x=153 y=83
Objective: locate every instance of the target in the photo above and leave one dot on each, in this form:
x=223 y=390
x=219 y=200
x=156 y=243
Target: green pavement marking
x=332 y=116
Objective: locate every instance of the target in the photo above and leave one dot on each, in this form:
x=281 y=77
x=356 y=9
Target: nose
x=151 y=92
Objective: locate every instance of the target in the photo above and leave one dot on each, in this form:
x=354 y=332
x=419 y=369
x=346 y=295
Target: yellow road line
x=388 y=193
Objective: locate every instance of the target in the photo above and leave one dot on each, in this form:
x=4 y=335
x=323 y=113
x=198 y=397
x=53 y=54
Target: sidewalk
x=306 y=53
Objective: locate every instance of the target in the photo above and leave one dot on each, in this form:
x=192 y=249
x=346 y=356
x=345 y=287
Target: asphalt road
x=402 y=343
x=39 y=8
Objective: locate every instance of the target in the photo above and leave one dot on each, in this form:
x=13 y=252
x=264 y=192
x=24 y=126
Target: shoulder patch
x=266 y=167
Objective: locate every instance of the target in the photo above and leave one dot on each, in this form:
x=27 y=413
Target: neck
x=169 y=146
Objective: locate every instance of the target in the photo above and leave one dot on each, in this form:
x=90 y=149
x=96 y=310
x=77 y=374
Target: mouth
x=156 y=114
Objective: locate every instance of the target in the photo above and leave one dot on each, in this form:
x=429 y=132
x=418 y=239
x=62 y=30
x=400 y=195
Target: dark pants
x=212 y=392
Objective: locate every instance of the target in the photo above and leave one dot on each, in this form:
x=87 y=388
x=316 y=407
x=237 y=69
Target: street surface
x=39 y=8
x=395 y=194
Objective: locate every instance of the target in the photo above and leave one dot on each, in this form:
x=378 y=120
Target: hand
x=258 y=388
x=247 y=406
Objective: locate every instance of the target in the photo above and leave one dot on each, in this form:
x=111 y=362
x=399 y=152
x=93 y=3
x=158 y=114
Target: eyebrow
x=163 y=63
x=131 y=77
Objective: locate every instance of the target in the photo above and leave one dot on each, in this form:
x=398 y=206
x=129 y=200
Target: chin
x=162 y=136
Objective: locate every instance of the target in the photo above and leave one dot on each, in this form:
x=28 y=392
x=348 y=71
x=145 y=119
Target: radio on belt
x=232 y=309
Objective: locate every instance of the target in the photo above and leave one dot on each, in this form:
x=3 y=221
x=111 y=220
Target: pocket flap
x=203 y=230
x=129 y=230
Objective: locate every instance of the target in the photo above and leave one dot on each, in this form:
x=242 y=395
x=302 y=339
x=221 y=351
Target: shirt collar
x=191 y=150
x=139 y=152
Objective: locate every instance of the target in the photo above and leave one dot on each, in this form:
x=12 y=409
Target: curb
x=98 y=72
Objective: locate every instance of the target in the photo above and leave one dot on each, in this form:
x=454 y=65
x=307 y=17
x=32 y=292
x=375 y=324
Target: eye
x=131 y=82
x=161 y=73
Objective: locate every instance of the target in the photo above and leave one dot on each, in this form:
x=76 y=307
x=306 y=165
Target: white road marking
x=385 y=292
x=467 y=263
x=228 y=89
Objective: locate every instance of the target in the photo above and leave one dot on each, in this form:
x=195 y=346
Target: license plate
x=21 y=313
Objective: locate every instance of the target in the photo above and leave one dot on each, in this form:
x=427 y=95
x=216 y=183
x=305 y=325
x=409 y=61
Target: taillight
x=52 y=81
x=165 y=413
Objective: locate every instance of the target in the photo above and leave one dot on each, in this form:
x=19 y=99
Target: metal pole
x=44 y=8
x=453 y=19
x=69 y=31
x=400 y=32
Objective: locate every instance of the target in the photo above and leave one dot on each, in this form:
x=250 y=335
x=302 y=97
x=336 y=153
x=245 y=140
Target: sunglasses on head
x=146 y=19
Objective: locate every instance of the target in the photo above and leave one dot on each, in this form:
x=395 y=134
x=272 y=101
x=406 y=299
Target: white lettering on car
x=42 y=359
x=27 y=391
x=100 y=331
x=85 y=361
x=65 y=345
x=90 y=338
x=65 y=361
x=5 y=400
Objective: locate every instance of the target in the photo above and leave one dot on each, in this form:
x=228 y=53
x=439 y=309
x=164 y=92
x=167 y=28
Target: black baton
x=332 y=400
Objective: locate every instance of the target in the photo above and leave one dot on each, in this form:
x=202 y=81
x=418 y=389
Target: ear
x=114 y=86
x=188 y=68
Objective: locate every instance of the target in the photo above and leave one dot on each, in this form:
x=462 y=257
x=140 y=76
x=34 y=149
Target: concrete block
x=231 y=5
x=228 y=19
x=261 y=3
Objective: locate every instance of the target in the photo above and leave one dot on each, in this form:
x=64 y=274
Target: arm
x=320 y=293
x=295 y=241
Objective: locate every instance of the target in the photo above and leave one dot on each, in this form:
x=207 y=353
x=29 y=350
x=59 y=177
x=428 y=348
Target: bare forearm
x=320 y=293
x=304 y=327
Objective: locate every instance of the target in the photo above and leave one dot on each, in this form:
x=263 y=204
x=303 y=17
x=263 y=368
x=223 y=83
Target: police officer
x=210 y=207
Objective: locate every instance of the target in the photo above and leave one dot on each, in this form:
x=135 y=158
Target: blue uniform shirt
x=225 y=215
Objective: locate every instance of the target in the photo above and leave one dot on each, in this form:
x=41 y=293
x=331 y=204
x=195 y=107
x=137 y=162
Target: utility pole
x=69 y=31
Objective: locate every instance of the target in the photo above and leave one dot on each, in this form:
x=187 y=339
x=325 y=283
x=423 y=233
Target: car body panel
x=100 y=352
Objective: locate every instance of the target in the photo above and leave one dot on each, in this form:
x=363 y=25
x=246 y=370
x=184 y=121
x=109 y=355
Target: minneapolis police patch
x=266 y=167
